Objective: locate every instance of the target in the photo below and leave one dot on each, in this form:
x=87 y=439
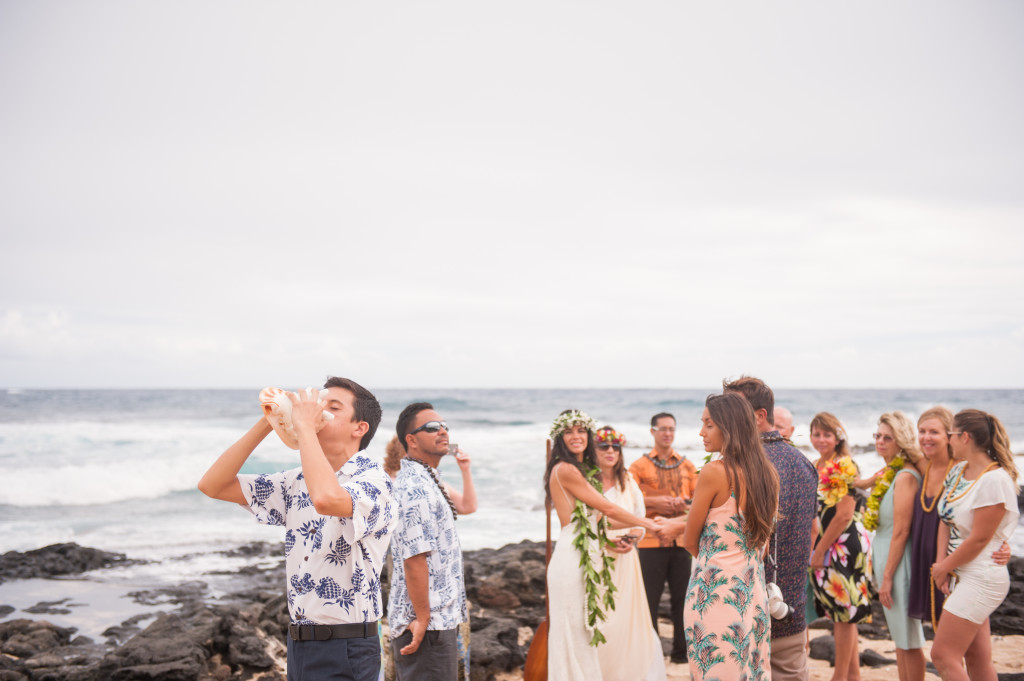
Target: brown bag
x=536 y=667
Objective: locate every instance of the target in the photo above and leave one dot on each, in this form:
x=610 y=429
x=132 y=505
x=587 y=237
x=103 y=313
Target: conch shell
x=277 y=408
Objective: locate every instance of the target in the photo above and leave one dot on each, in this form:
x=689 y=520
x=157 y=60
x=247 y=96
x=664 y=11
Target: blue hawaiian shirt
x=333 y=563
x=426 y=525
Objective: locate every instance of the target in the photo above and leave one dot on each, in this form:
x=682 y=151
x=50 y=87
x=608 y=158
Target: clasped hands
x=669 y=528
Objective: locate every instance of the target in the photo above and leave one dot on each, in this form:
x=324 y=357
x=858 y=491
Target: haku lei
x=590 y=541
x=870 y=518
x=566 y=421
x=835 y=479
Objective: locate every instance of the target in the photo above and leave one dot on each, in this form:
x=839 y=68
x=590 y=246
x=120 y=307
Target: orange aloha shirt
x=678 y=480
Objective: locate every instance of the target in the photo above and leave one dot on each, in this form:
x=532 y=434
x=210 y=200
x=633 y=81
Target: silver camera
x=776 y=605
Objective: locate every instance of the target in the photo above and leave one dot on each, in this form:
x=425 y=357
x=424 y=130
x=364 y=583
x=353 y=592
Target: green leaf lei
x=597 y=584
x=870 y=519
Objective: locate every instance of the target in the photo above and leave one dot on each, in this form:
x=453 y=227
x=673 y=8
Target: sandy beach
x=1006 y=653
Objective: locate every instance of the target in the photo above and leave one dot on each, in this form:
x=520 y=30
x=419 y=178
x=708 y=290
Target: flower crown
x=571 y=418
x=611 y=436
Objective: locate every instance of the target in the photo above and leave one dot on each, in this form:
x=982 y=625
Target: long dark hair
x=619 y=469
x=989 y=434
x=745 y=461
x=560 y=453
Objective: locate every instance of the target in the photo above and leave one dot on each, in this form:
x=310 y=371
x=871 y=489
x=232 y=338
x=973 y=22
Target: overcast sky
x=518 y=194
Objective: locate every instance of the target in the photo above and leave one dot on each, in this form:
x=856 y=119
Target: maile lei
x=878 y=491
x=590 y=541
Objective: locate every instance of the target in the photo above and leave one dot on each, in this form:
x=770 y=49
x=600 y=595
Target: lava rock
x=823 y=648
x=57 y=559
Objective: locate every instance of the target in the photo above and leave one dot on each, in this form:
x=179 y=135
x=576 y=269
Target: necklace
x=765 y=437
x=664 y=466
x=924 y=486
x=870 y=516
x=437 y=481
x=950 y=499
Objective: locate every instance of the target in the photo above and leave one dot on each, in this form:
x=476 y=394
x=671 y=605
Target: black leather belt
x=325 y=632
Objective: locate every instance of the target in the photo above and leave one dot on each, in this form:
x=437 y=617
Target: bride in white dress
x=571 y=657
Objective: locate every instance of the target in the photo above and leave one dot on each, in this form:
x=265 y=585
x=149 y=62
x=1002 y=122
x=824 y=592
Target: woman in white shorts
x=979 y=512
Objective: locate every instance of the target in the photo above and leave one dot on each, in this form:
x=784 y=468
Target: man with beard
x=428 y=593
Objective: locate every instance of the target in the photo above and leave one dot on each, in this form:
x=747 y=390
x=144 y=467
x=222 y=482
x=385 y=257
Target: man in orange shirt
x=667 y=481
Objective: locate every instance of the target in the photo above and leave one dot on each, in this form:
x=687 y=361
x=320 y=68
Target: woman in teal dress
x=890 y=510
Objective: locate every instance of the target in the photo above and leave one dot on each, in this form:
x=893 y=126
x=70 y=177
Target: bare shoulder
x=566 y=470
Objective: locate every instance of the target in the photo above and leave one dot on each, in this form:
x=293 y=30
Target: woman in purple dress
x=925 y=602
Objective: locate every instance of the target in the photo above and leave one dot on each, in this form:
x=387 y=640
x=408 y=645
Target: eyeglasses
x=664 y=429
x=951 y=433
x=431 y=427
x=882 y=437
x=605 y=446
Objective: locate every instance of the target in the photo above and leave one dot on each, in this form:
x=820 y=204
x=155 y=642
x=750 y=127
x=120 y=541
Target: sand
x=1006 y=653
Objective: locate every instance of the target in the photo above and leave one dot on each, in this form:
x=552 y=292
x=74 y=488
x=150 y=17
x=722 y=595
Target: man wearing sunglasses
x=428 y=594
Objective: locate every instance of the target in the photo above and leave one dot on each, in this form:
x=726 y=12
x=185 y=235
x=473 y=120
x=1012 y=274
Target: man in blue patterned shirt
x=428 y=592
x=338 y=513
x=790 y=548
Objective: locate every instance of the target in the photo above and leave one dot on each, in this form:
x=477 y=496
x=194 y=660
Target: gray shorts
x=437 y=658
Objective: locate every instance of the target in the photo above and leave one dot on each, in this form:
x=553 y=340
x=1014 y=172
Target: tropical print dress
x=842 y=590
x=728 y=630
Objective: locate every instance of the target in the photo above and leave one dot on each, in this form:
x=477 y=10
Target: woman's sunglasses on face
x=605 y=446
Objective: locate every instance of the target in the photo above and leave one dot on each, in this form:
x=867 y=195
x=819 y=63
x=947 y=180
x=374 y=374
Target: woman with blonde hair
x=925 y=602
x=841 y=563
x=979 y=512
x=889 y=513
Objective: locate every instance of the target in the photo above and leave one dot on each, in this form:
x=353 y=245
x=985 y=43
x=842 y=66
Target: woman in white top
x=633 y=651
x=979 y=512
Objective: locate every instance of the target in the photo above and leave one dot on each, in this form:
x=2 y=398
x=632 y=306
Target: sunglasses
x=605 y=446
x=882 y=437
x=431 y=427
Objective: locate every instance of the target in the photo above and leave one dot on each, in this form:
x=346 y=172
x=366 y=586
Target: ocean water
x=117 y=469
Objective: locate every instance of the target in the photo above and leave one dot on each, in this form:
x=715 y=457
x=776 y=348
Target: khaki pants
x=789 y=658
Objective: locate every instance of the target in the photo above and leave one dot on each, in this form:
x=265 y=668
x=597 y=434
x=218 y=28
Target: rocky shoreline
x=241 y=635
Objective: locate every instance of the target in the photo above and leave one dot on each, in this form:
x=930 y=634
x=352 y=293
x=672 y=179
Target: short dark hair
x=757 y=393
x=365 y=407
x=406 y=418
x=661 y=415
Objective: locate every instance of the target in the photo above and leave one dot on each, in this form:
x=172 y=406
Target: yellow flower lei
x=870 y=518
x=835 y=479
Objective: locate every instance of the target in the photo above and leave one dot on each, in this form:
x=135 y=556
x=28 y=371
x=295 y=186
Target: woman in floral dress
x=841 y=562
x=728 y=629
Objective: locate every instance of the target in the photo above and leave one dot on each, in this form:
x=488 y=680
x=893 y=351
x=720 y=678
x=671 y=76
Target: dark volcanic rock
x=505 y=588
x=870 y=658
x=165 y=651
x=823 y=648
x=1008 y=619
x=25 y=638
x=49 y=608
x=6 y=610
x=57 y=559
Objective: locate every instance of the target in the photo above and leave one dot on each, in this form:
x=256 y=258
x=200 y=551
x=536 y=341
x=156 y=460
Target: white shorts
x=978 y=591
